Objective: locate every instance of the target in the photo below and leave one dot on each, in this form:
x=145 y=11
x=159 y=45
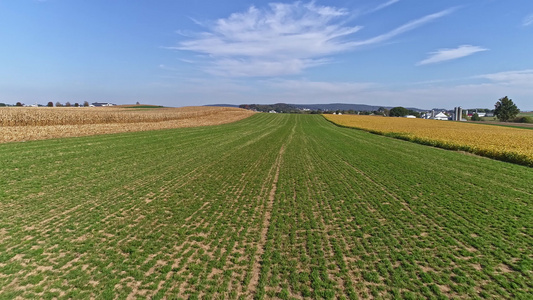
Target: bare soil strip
x=266 y=224
x=266 y=219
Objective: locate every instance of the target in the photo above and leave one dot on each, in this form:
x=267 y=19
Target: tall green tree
x=505 y=109
x=398 y=111
x=476 y=117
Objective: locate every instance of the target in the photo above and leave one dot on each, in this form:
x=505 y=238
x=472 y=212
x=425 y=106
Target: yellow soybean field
x=503 y=143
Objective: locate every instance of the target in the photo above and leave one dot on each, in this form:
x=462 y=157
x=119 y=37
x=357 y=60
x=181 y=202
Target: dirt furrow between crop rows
x=265 y=225
x=267 y=217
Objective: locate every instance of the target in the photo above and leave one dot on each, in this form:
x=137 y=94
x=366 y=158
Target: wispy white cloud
x=261 y=67
x=516 y=78
x=384 y=5
x=282 y=38
x=167 y=68
x=320 y=87
x=405 y=28
x=450 y=54
x=528 y=20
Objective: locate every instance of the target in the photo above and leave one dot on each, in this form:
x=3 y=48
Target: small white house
x=410 y=117
x=441 y=116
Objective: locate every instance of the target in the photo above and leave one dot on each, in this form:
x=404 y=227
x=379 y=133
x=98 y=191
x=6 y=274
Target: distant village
x=457 y=114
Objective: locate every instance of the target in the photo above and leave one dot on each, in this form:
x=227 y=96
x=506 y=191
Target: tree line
x=57 y=104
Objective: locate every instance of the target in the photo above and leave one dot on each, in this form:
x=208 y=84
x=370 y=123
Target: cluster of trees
x=287 y=108
x=402 y=111
x=68 y=104
x=485 y=110
x=58 y=104
x=380 y=112
x=278 y=107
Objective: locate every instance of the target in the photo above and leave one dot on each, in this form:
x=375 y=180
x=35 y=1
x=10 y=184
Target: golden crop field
x=36 y=123
x=504 y=143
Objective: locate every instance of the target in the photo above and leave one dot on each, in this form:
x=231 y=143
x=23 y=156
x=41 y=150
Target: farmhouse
x=100 y=104
x=441 y=116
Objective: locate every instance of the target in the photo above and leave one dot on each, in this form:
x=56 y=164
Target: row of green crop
x=180 y=214
x=359 y=216
x=171 y=213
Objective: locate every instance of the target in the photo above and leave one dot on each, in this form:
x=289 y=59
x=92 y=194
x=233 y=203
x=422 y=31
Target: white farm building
x=441 y=116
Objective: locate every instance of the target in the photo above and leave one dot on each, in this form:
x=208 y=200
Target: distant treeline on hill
x=278 y=107
x=317 y=108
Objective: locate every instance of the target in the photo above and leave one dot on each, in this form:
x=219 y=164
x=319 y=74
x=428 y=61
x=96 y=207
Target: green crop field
x=273 y=206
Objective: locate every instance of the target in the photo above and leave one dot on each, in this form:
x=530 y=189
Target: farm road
x=274 y=206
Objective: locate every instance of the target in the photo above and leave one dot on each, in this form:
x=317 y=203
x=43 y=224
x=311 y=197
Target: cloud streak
x=384 y=5
x=405 y=28
x=528 y=20
x=442 y=55
x=516 y=78
x=283 y=39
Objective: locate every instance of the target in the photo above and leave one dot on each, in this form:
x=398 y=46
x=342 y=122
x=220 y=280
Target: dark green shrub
x=525 y=119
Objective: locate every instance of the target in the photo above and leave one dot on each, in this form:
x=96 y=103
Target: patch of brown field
x=504 y=268
x=444 y=288
x=39 y=123
x=507 y=123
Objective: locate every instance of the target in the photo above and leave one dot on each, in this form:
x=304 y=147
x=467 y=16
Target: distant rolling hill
x=223 y=105
x=340 y=106
x=323 y=107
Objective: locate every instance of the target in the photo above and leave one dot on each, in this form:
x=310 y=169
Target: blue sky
x=413 y=53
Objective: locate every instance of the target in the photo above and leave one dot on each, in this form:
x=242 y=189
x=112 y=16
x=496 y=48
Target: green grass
x=181 y=213
x=521 y=114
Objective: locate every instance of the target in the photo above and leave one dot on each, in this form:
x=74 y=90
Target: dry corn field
x=504 y=143
x=37 y=123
